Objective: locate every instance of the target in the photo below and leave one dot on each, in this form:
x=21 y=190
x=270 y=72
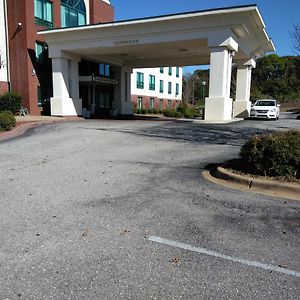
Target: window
x=140 y=80
x=177 y=89
x=161 y=86
x=152 y=82
x=39 y=95
x=177 y=71
x=161 y=70
x=169 y=104
x=104 y=70
x=139 y=102
x=43 y=13
x=41 y=52
x=170 y=70
x=151 y=103
x=161 y=103
x=169 y=87
x=73 y=13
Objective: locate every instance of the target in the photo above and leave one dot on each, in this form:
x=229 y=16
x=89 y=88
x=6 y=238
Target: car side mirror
x=278 y=105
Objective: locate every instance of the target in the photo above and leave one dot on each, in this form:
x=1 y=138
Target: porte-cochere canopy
x=217 y=37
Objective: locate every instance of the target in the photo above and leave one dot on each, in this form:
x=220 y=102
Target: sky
x=279 y=15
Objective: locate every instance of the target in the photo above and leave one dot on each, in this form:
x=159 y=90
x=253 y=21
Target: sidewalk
x=26 y=122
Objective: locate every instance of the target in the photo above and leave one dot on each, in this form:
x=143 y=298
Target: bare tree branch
x=295 y=34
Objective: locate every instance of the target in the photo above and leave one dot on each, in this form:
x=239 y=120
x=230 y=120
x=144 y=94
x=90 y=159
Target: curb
x=270 y=187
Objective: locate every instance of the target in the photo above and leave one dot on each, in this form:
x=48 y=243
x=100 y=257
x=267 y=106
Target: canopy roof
x=168 y=40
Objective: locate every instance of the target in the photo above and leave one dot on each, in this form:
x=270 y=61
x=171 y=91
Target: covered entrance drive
x=217 y=38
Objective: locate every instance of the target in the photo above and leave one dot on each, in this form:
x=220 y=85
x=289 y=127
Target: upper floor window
x=140 y=80
x=161 y=70
x=73 y=13
x=152 y=82
x=177 y=71
x=161 y=86
x=177 y=89
x=169 y=87
x=43 y=13
x=170 y=70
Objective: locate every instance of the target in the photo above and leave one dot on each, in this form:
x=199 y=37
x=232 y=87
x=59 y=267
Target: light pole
x=203 y=83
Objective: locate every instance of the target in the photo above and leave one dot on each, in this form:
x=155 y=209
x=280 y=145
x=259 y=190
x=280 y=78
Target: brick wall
x=146 y=102
x=26 y=74
x=101 y=12
x=3 y=87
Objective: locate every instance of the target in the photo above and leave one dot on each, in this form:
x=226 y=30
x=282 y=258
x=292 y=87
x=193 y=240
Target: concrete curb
x=270 y=187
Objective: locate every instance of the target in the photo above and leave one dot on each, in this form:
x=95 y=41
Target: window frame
x=161 y=86
x=76 y=12
x=169 y=87
x=152 y=82
x=152 y=104
x=177 y=89
x=161 y=103
x=139 y=102
x=43 y=20
x=139 y=80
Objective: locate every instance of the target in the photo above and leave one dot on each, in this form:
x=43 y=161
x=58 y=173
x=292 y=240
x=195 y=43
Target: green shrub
x=187 y=111
x=155 y=111
x=168 y=112
x=144 y=111
x=277 y=154
x=10 y=101
x=150 y=111
x=7 y=120
x=139 y=111
x=134 y=110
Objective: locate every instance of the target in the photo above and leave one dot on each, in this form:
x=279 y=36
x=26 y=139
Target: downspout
x=7 y=45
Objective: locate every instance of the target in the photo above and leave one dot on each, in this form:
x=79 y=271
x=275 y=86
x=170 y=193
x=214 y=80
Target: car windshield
x=265 y=103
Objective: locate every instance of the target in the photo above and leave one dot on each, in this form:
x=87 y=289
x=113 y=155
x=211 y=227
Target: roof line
x=156 y=17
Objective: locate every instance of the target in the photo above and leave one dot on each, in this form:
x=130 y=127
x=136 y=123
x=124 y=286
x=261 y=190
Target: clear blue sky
x=279 y=15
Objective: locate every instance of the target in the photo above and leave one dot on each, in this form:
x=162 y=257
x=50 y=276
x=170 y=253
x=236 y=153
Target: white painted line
x=200 y=250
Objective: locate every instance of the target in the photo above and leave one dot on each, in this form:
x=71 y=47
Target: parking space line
x=200 y=250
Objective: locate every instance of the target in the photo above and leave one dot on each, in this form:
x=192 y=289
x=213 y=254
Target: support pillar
x=65 y=100
x=218 y=105
x=122 y=102
x=242 y=104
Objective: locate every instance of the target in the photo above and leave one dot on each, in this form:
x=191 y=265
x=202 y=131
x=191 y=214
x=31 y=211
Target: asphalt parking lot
x=102 y=209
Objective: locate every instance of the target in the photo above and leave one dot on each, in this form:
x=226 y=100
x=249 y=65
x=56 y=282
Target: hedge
x=275 y=155
x=10 y=101
x=7 y=120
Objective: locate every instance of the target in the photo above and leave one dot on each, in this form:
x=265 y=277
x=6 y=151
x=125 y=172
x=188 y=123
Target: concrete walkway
x=26 y=122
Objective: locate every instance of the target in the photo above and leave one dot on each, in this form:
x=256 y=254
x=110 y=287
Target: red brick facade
x=26 y=75
x=159 y=103
x=3 y=87
x=101 y=12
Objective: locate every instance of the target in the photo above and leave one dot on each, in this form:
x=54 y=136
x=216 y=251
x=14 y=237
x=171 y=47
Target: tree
x=194 y=90
x=276 y=77
x=188 y=87
x=295 y=34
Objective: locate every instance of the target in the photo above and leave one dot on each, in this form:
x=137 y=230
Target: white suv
x=265 y=109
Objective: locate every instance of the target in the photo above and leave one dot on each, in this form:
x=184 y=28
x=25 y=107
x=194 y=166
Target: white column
x=242 y=104
x=218 y=106
x=65 y=100
x=125 y=91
